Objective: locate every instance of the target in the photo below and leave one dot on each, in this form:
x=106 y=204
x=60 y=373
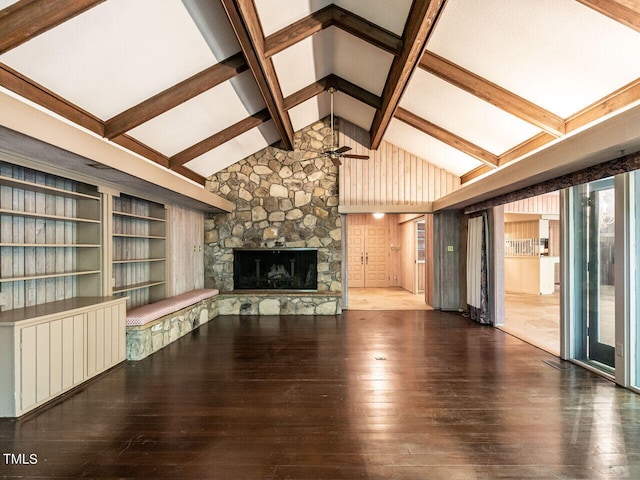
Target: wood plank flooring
x=391 y=298
x=365 y=395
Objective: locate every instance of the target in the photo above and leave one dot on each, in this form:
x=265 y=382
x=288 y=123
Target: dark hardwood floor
x=366 y=395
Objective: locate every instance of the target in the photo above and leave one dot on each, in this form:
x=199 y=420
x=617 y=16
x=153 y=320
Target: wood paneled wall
x=408 y=246
x=391 y=176
x=186 y=232
x=522 y=230
x=547 y=203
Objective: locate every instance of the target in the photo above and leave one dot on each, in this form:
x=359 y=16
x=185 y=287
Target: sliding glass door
x=594 y=287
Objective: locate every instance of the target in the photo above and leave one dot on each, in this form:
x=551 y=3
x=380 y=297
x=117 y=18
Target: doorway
x=531 y=249
x=385 y=254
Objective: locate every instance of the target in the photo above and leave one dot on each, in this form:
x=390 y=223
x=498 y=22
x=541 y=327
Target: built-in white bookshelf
x=139 y=250
x=50 y=231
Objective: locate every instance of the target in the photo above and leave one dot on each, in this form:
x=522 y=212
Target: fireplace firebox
x=275 y=269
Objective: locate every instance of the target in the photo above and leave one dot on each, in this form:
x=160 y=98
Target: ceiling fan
x=335 y=153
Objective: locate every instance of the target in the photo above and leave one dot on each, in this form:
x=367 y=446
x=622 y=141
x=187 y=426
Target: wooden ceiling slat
x=27 y=88
x=219 y=138
x=447 y=137
x=176 y=95
x=246 y=25
x=28 y=18
x=626 y=12
x=420 y=22
x=492 y=93
x=332 y=15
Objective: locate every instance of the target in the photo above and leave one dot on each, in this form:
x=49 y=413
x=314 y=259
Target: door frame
x=574 y=305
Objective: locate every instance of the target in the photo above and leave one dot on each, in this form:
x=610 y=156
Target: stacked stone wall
x=282 y=199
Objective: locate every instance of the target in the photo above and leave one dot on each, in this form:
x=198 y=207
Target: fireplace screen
x=275 y=269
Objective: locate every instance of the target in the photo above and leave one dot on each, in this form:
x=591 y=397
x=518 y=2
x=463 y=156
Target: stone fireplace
x=275 y=269
x=284 y=200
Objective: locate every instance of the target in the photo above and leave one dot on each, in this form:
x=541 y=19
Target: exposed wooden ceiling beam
x=28 y=18
x=30 y=90
x=140 y=148
x=332 y=15
x=622 y=97
x=367 y=31
x=492 y=93
x=626 y=12
x=420 y=22
x=475 y=173
x=246 y=25
x=355 y=91
x=447 y=137
x=308 y=92
x=298 y=31
x=190 y=174
x=525 y=148
x=174 y=96
x=39 y=95
x=339 y=84
x=219 y=138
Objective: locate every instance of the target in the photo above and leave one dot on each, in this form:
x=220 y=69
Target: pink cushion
x=152 y=311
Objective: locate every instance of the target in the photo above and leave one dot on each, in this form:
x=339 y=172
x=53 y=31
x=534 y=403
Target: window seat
x=153 y=326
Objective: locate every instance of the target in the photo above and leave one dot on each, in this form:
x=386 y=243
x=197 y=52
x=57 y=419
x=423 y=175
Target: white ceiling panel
x=556 y=53
x=235 y=150
x=389 y=15
x=360 y=62
x=429 y=149
x=305 y=62
x=5 y=3
x=211 y=19
x=464 y=114
x=201 y=117
x=277 y=14
x=115 y=55
x=353 y=110
x=310 y=111
x=332 y=51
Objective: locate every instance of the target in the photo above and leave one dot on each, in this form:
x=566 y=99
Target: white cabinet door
x=42 y=361
x=56 y=347
x=27 y=367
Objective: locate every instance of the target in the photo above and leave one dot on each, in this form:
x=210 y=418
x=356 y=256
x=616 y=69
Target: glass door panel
x=595 y=222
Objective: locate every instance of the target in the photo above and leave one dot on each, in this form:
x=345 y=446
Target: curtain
x=477 y=269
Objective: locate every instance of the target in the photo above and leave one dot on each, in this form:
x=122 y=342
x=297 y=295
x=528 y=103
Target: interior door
x=368 y=256
x=355 y=256
x=376 y=257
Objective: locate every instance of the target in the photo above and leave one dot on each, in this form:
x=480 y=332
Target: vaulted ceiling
x=196 y=85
